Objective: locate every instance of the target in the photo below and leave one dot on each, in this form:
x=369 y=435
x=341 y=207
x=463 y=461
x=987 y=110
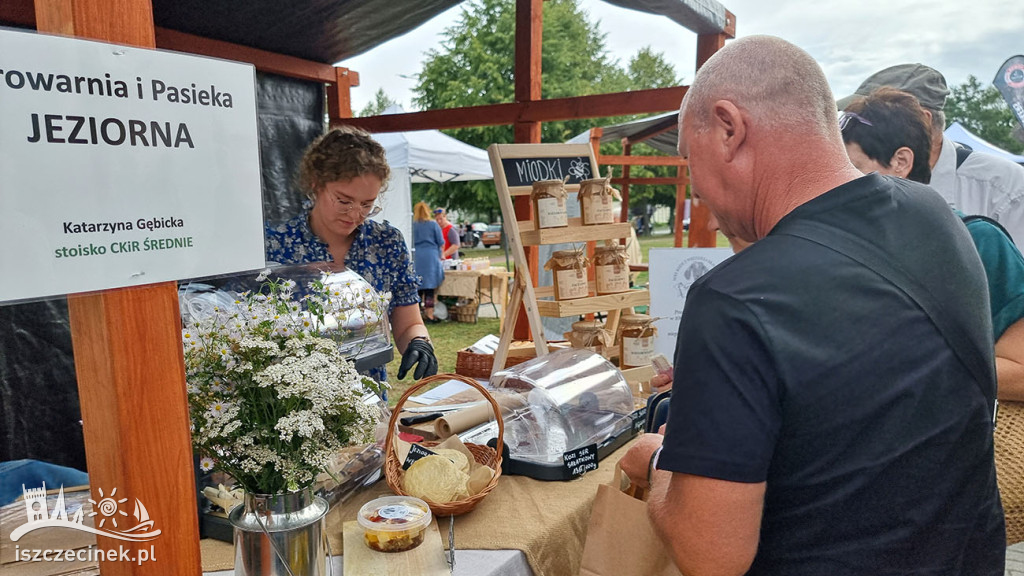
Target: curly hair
x=343 y=153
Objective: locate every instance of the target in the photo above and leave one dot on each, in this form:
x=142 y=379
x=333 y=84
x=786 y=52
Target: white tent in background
x=958 y=133
x=424 y=156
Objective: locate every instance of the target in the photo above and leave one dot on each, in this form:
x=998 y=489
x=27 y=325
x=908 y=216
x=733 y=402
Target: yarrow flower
x=271 y=397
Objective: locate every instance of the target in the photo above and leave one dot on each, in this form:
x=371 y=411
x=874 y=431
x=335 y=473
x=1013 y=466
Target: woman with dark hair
x=342 y=173
x=888 y=132
x=428 y=244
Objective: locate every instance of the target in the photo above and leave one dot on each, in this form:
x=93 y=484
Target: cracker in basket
x=436 y=479
x=479 y=480
x=458 y=458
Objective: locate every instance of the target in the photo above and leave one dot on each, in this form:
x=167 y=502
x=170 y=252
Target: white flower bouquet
x=271 y=396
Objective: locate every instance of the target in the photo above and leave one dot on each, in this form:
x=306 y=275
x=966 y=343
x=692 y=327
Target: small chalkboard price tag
x=580 y=461
x=415 y=453
x=639 y=419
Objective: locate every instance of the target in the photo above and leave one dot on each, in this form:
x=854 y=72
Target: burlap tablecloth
x=546 y=520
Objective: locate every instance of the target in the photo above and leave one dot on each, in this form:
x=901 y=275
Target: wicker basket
x=1009 y=451
x=484 y=455
x=464 y=311
x=475 y=365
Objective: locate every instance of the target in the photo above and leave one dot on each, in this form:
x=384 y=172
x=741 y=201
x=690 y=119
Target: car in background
x=491 y=236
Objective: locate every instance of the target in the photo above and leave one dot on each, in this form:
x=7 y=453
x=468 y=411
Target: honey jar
x=569 y=269
x=589 y=335
x=596 y=196
x=548 y=197
x=636 y=340
x=611 y=269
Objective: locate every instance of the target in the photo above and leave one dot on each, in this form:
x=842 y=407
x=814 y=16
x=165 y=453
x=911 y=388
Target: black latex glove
x=421 y=353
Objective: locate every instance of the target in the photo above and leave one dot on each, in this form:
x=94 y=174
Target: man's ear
x=729 y=127
x=902 y=161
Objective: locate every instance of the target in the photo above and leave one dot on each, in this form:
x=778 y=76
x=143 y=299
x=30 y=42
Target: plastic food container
x=394 y=523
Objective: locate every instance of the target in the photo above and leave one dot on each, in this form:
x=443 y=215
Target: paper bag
x=621 y=540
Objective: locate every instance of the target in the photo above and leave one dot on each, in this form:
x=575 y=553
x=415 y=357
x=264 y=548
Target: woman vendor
x=342 y=173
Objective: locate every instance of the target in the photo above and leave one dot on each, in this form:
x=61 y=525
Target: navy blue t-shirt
x=801 y=368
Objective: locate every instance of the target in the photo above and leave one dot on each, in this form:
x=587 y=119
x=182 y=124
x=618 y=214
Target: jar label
x=394 y=511
x=551 y=213
x=637 y=351
x=598 y=210
x=572 y=283
x=611 y=278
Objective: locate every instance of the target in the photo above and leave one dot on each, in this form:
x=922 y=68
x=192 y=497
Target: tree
x=381 y=102
x=983 y=111
x=475 y=66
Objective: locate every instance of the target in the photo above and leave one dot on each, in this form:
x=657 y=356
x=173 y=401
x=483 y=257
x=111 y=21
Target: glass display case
x=558 y=405
x=354 y=312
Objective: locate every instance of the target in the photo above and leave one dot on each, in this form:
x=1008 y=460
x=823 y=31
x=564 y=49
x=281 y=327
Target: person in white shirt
x=982 y=184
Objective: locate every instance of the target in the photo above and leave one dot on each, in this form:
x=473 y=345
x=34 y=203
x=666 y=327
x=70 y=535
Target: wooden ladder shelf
x=516 y=167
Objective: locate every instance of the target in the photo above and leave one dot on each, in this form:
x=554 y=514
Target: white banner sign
x=672 y=272
x=121 y=166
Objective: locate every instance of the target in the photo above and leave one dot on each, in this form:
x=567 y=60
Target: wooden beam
x=263 y=60
x=641 y=160
x=594 y=106
x=624 y=182
x=529 y=37
x=339 y=96
x=18 y=13
x=707 y=44
x=128 y=359
x=680 y=212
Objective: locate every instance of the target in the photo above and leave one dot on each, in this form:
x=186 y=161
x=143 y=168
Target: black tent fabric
x=332 y=30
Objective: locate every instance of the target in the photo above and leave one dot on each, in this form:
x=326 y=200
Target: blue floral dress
x=378 y=254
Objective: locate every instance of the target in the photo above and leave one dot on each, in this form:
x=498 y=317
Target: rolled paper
x=462 y=420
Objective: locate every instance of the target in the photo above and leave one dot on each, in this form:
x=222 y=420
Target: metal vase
x=280 y=534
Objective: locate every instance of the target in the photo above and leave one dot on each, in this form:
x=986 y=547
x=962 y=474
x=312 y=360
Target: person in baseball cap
x=923 y=82
x=972 y=182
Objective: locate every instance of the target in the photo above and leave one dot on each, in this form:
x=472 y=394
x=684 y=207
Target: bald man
x=833 y=401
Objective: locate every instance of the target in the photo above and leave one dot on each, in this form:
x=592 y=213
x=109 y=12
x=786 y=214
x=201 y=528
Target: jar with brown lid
x=569 y=269
x=548 y=198
x=636 y=340
x=589 y=335
x=611 y=269
x=596 y=196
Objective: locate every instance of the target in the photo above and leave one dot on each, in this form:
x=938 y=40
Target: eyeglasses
x=347 y=207
x=845 y=117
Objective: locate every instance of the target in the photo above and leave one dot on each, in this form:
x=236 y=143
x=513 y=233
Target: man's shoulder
x=980 y=166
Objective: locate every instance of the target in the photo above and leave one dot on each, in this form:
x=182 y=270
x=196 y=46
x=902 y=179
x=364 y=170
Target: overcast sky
x=850 y=40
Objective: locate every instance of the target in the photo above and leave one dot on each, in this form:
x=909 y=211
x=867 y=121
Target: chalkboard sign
x=639 y=419
x=526 y=171
x=415 y=453
x=580 y=461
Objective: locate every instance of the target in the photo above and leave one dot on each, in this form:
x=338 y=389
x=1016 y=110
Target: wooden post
x=339 y=95
x=529 y=37
x=128 y=357
x=680 y=209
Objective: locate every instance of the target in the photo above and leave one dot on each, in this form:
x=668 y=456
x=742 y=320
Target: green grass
x=448 y=338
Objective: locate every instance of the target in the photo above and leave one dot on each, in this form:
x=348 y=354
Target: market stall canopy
x=424 y=156
x=332 y=30
x=664 y=128
x=958 y=133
